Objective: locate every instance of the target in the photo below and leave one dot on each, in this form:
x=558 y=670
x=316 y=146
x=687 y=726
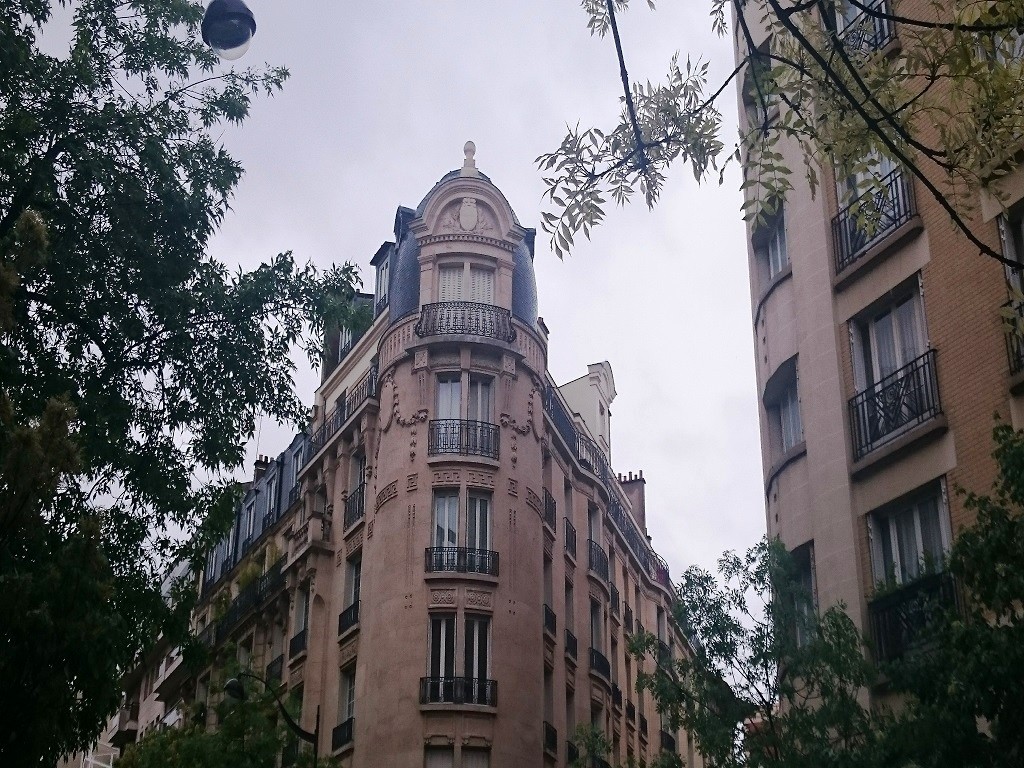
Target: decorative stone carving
x=348 y=651
x=447 y=477
x=479 y=479
x=442 y=597
x=295 y=677
x=369 y=530
x=354 y=543
x=411 y=482
x=513 y=487
x=390 y=491
x=478 y=598
x=533 y=500
x=508 y=365
x=466 y=216
x=421 y=359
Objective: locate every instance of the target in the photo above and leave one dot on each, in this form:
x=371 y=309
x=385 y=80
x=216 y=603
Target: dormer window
x=344 y=342
x=381 y=292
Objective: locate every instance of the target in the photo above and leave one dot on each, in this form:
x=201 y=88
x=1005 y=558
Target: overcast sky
x=383 y=96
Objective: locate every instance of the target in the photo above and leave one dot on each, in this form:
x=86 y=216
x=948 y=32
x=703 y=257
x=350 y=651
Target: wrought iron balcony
x=616 y=696
x=355 y=505
x=627 y=619
x=550 y=738
x=599 y=664
x=360 y=392
x=630 y=711
x=274 y=669
x=348 y=618
x=458 y=690
x=570 y=644
x=668 y=742
x=380 y=306
x=570 y=538
x=460 y=560
x=903 y=399
x=899 y=619
x=463 y=437
x=614 y=605
x=1014 y=341
x=664 y=653
x=882 y=210
x=272 y=581
x=466 y=318
x=550 y=509
x=598 y=559
x=572 y=753
x=297 y=644
x=550 y=620
x=293 y=494
x=342 y=734
x=867 y=32
x=208 y=636
x=643 y=726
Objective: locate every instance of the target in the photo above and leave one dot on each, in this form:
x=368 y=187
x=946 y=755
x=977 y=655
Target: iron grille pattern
x=881 y=210
x=668 y=742
x=627 y=619
x=355 y=505
x=293 y=494
x=570 y=538
x=614 y=606
x=380 y=306
x=466 y=318
x=630 y=711
x=460 y=560
x=348 y=618
x=868 y=32
x=361 y=391
x=643 y=725
x=570 y=644
x=598 y=559
x=616 y=696
x=904 y=398
x=550 y=509
x=297 y=644
x=550 y=620
x=462 y=436
x=550 y=737
x=275 y=668
x=1014 y=341
x=458 y=690
x=571 y=752
x=342 y=734
x=599 y=664
x=900 y=619
x=664 y=653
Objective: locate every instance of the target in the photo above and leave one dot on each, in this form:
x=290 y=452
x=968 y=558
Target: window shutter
x=450 y=284
x=481 y=285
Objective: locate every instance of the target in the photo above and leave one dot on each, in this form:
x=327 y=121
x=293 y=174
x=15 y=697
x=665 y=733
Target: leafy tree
x=945 y=105
x=133 y=367
x=769 y=685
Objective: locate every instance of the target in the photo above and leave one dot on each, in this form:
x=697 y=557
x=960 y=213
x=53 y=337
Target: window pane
x=449 y=398
x=931 y=533
x=440 y=757
x=481 y=285
x=906 y=325
x=450 y=284
x=476 y=758
x=906 y=538
x=446 y=520
x=480 y=399
x=884 y=346
x=777 y=256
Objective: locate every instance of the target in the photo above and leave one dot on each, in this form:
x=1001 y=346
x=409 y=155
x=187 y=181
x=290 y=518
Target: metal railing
x=550 y=737
x=272 y=581
x=348 y=618
x=380 y=306
x=570 y=644
x=616 y=696
x=466 y=318
x=570 y=538
x=664 y=653
x=627 y=619
x=879 y=211
x=572 y=753
x=899 y=620
x=275 y=668
x=342 y=734
x=613 y=607
x=355 y=505
x=598 y=561
x=298 y=643
x=458 y=690
x=462 y=436
x=904 y=398
x=361 y=391
x=643 y=725
x=550 y=509
x=1014 y=340
x=550 y=620
x=460 y=560
x=668 y=742
x=293 y=494
x=869 y=31
x=630 y=711
x=599 y=664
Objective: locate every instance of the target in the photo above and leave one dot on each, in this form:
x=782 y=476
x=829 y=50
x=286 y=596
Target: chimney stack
x=260 y=467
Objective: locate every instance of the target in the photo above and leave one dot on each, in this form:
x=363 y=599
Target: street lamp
x=236 y=690
x=228 y=27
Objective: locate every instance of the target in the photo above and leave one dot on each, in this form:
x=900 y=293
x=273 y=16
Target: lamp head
x=228 y=27
x=235 y=689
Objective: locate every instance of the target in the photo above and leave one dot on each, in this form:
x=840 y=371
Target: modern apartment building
x=446 y=570
x=881 y=359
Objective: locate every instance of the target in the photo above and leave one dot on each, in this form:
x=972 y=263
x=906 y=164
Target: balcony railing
x=899 y=619
x=901 y=400
x=380 y=306
x=462 y=436
x=361 y=391
x=668 y=742
x=627 y=619
x=570 y=538
x=664 y=653
x=570 y=644
x=460 y=560
x=342 y=734
x=293 y=494
x=207 y=636
x=272 y=581
x=598 y=559
x=881 y=210
x=1014 y=340
x=550 y=509
x=867 y=32
x=550 y=738
x=297 y=644
x=616 y=696
x=274 y=669
x=643 y=725
x=466 y=318
x=355 y=505
x=613 y=607
x=572 y=753
x=348 y=618
x=630 y=711
x=599 y=664
x=550 y=620
x=458 y=690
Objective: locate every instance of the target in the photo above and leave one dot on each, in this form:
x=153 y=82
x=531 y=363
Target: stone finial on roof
x=469 y=165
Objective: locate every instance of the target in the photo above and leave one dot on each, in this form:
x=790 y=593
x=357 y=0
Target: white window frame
x=445 y=519
x=477 y=644
x=302 y=605
x=449 y=396
x=790 y=422
x=383 y=274
x=883 y=525
x=354 y=578
x=480 y=404
x=442 y=639
x=865 y=338
x=479 y=519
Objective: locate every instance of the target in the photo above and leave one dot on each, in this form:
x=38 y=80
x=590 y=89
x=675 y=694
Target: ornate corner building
x=446 y=570
x=881 y=358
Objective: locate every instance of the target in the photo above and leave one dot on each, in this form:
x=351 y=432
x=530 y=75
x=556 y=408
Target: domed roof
x=404 y=289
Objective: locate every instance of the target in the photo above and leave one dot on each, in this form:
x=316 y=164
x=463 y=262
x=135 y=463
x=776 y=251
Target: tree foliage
x=133 y=366
x=944 y=103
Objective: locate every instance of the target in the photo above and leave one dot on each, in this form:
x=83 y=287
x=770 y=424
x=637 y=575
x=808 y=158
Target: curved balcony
x=598 y=559
x=459 y=690
x=466 y=318
x=462 y=437
x=460 y=560
x=355 y=505
x=600 y=665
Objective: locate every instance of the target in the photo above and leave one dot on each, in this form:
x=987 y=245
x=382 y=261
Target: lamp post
x=236 y=690
x=228 y=27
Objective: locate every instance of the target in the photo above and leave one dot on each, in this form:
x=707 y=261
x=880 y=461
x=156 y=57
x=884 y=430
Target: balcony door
x=478 y=534
x=441 y=685
x=477 y=658
x=446 y=519
x=481 y=285
x=449 y=397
